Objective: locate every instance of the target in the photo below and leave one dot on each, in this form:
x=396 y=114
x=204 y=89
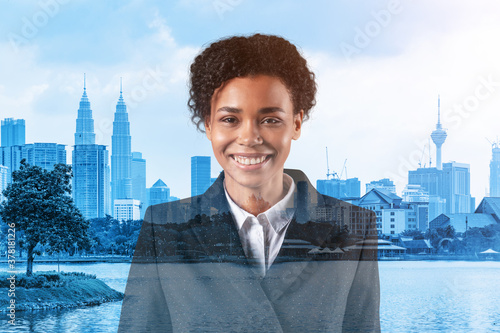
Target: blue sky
x=380 y=66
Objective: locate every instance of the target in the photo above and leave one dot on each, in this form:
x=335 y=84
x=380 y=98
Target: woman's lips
x=250 y=160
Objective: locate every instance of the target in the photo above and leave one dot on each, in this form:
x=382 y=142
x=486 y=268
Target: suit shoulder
x=171 y=212
x=334 y=202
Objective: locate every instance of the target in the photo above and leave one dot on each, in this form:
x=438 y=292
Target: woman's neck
x=256 y=200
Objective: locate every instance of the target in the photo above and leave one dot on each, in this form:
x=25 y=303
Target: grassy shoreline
x=52 y=290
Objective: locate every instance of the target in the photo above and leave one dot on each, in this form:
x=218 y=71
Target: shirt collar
x=278 y=215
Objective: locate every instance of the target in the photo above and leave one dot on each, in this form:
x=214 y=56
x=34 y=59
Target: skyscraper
x=90 y=166
x=11 y=158
x=456 y=188
x=84 y=134
x=451 y=184
x=158 y=193
x=139 y=180
x=121 y=154
x=4 y=171
x=339 y=188
x=91 y=180
x=448 y=184
x=495 y=170
x=13 y=139
x=438 y=136
x=13 y=132
x=14 y=149
x=44 y=155
x=200 y=174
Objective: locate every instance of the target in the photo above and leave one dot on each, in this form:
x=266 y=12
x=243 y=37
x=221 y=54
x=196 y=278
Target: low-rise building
x=393 y=215
x=127 y=209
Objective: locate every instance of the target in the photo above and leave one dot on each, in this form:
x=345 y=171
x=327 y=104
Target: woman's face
x=251 y=127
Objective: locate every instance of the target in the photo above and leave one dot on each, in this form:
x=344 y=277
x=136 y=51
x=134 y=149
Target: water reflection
x=416 y=297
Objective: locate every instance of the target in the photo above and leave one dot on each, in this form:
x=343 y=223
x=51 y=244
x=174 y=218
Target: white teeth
x=249 y=161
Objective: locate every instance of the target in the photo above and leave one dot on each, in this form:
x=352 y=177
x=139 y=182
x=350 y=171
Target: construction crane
x=422 y=157
x=328 y=174
x=495 y=144
x=343 y=168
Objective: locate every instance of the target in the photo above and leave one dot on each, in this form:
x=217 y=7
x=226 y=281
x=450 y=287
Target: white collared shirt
x=262 y=236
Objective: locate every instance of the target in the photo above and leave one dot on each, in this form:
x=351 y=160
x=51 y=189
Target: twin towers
x=94 y=191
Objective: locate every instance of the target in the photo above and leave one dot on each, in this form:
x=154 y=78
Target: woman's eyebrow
x=271 y=109
x=266 y=110
x=229 y=109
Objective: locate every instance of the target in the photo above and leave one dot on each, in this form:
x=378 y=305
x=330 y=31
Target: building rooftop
x=491 y=206
x=159 y=183
x=378 y=195
x=416 y=243
x=474 y=220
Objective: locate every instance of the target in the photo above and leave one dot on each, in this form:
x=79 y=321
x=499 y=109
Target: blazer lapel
x=286 y=270
x=214 y=221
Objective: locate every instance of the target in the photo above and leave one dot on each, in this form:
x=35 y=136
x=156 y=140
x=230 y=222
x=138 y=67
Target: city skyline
x=380 y=68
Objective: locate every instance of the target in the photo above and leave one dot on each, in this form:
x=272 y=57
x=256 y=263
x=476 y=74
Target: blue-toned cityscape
x=434 y=197
x=405 y=123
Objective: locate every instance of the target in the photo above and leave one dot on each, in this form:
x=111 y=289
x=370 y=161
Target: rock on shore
x=50 y=290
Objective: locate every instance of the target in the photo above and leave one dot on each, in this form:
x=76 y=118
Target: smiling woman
x=251 y=128
x=243 y=256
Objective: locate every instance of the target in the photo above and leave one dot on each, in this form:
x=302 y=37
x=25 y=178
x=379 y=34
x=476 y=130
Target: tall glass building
x=158 y=193
x=13 y=132
x=139 y=180
x=91 y=180
x=121 y=154
x=91 y=190
x=451 y=184
x=13 y=138
x=11 y=158
x=4 y=171
x=44 y=155
x=14 y=149
x=200 y=174
x=339 y=188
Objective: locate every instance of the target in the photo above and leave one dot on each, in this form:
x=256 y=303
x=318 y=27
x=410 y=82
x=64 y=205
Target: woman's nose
x=249 y=134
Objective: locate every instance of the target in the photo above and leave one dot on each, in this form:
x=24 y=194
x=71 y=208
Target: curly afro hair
x=241 y=56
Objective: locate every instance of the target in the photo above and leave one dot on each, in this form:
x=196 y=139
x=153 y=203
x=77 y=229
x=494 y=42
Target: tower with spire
x=84 y=134
x=448 y=184
x=121 y=153
x=439 y=136
x=90 y=165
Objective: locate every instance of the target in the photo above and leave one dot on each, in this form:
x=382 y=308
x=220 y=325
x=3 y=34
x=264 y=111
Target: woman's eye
x=229 y=120
x=270 y=121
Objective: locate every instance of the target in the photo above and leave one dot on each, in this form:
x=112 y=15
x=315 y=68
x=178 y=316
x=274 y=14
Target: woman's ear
x=208 y=128
x=297 y=124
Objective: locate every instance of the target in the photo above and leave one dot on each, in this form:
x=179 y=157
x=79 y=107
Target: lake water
x=416 y=296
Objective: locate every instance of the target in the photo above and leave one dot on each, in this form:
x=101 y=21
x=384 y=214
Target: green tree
x=448 y=232
x=416 y=234
x=39 y=203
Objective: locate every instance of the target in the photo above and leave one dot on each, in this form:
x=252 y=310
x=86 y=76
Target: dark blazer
x=189 y=272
